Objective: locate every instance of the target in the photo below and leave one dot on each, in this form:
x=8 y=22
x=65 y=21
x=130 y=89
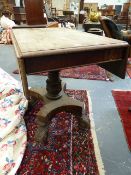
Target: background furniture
x=32 y=14
x=35 y=12
x=112 y=31
x=123 y=16
x=53 y=17
x=96 y=31
x=19 y=15
x=108 y=11
x=69 y=16
x=118 y=9
x=88 y=24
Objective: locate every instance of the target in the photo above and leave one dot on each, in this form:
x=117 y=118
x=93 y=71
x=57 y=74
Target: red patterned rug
x=123 y=102
x=68 y=150
x=92 y=72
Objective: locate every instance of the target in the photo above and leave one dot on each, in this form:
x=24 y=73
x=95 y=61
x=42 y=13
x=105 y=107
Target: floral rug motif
x=91 y=72
x=68 y=150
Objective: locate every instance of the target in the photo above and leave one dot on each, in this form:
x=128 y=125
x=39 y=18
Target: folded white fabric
x=6 y=22
x=13 y=136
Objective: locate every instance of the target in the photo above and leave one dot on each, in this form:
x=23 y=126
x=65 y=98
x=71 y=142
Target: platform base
x=52 y=107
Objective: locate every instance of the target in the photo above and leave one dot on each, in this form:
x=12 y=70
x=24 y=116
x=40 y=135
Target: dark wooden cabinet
x=35 y=12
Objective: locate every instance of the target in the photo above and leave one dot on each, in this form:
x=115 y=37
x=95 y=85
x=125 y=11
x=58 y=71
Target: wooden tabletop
x=50 y=41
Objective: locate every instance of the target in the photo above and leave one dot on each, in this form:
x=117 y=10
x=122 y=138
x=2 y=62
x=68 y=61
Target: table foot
x=42 y=131
x=52 y=107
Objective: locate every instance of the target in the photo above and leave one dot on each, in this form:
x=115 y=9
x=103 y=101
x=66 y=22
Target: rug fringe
x=95 y=141
x=125 y=90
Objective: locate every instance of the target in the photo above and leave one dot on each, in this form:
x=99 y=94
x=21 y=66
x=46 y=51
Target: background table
x=89 y=24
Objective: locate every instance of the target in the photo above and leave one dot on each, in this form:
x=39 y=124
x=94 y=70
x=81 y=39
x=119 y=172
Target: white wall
x=59 y=4
x=63 y=4
x=108 y=2
x=17 y=3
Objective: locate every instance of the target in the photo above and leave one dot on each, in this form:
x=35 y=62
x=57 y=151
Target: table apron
x=62 y=61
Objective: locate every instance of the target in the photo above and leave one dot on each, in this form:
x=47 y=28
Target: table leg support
x=53 y=85
x=52 y=107
x=55 y=101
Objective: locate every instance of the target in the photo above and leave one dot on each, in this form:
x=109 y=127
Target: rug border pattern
x=94 y=136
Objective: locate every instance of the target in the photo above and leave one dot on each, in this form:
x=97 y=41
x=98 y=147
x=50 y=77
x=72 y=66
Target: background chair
x=111 y=30
x=124 y=14
x=51 y=16
x=118 y=9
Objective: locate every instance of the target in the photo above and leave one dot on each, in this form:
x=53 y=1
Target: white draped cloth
x=13 y=134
